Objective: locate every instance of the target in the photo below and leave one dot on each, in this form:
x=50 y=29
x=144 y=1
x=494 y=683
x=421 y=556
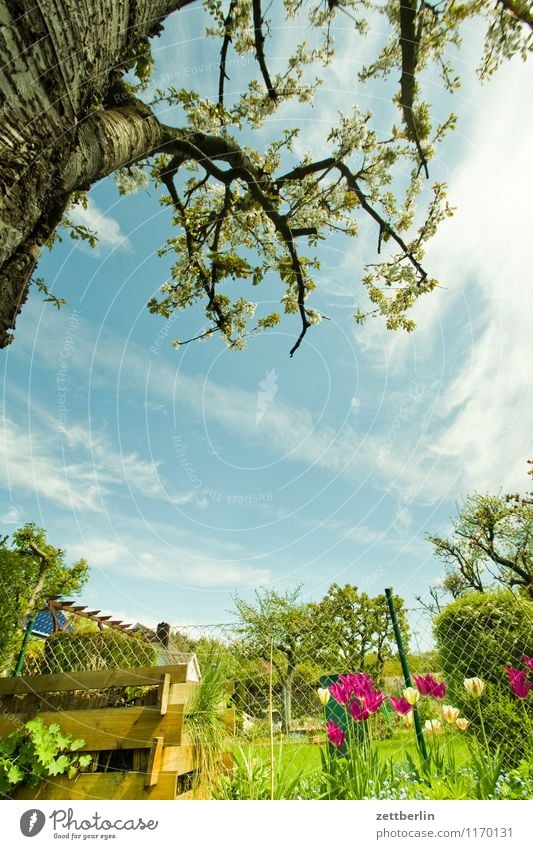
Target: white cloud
x=28 y=464
x=171 y=564
x=38 y=462
x=12 y=516
x=479 y=435
x=107 y=228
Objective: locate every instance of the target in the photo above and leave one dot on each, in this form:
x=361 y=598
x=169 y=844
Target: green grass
x=297 y=758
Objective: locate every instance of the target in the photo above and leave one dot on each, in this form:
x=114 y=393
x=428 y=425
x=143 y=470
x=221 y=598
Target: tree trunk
x=287 y=699
x=60 y=60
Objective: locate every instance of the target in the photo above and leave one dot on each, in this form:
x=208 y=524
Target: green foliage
x=280 y=204
x=277 y=626
x=204 y=715
x=478 y=635
x=36 y=752
x=92 y=651
x=49 y=296
x=491 y=542
x=250 y=777
x=31 y=571
x=351 y=630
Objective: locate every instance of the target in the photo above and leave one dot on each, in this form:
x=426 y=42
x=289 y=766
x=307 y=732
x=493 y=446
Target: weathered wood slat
x=104 y=785
x=178 y=759
x=154 y=762
x=110 y=728
x=180 y=694
x=163 y=694
x=68 y=681
x=199 y=792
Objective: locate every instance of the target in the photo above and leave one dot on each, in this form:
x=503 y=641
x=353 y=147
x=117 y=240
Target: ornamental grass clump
x=204 y=719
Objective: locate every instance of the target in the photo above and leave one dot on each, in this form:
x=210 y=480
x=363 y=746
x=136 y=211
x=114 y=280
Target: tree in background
x=276 y=626
x=491 y=543
x=244 y=204
x=31 y=571
x=352 y=631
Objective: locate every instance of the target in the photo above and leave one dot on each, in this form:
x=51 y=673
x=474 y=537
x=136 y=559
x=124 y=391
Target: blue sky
x=184 y=476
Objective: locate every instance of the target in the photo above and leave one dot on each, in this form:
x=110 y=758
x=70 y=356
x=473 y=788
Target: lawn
x=297 y=758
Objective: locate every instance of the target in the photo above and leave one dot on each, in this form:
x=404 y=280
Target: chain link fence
x=274 y=682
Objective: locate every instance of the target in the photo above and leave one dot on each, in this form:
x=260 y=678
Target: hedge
x=477 y=636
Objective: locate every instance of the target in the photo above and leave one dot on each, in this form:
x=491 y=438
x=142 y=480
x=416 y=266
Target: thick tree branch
x=260 y=48
x=224 y=52
x=41 y=577
x=409 y=43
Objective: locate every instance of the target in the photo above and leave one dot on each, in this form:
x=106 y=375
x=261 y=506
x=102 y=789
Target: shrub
x=476 y=636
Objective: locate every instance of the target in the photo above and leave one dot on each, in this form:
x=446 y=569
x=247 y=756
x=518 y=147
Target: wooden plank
x=110 y=728
x=154 y=762
x=162 y=696
x=178 y=759
x=199 y=792
x=180 y=694
x=103 y=785
x=141 y=676
x=139 y=760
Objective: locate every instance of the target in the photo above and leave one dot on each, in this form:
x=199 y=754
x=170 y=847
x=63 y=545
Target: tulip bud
x=433 y=725
x=411 y=695
x=408 y=719
x=450 y=713
x=462 y=723
x=474 y=687
x=323 y=695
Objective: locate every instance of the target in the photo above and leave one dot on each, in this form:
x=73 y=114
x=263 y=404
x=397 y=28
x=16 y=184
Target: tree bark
x=287 y=699
x=60 y=59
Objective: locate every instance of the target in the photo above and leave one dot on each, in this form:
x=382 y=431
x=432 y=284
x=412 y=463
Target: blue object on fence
x=43 y=624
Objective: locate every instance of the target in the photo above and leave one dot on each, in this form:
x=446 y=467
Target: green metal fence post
x=22 y=652
x=406 y=672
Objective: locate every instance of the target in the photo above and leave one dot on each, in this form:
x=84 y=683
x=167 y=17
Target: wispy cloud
x=74 y=468
x=107 y=228
x=479 y=434
x=142 y=559
x=29 y=465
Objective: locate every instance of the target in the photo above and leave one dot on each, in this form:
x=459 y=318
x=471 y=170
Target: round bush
x=477 y=636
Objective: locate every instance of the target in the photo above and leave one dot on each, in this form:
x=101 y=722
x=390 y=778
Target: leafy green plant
x=36 y=752
x=250 y=777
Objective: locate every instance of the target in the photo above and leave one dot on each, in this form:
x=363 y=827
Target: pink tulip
x=428 y=686
x=357 y=691
x=528 y=661
x=340 y=692
x=358 y=712
x=517 y=681
x=335 y=734
x=358 y=682
x=373 y=700
x=401 y=706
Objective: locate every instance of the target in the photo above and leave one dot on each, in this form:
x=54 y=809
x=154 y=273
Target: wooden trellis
x=139 y=751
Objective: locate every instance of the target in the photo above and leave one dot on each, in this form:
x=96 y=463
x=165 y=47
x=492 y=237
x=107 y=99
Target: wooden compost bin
x=139 y=751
